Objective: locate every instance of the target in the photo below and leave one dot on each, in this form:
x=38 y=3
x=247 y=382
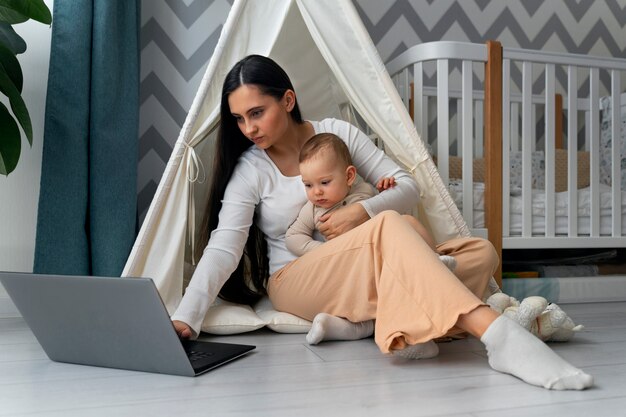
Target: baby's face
x=326 y=182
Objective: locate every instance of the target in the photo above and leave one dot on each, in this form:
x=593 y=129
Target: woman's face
x=261 y=118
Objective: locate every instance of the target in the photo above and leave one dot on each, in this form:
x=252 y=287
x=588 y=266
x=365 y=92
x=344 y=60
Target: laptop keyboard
x=204 y=356
x=195 y=355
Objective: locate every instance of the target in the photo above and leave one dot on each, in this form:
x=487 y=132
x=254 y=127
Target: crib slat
x=533 y=123
x=587 y=132
x=425 y=134
x=467 y=117
x=479 y=140
x=406 y=89
x=515 y=127
x=594 y=130
x=418 y=106
x=459 y=125
x=550 y=213
x=401 y=82
x=527 y=138
x=572 y=150
x=443 y=120
x=506 y=145
x=616 y=118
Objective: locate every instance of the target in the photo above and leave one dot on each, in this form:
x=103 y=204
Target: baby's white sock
x=327 y=327
x=419 y=351
x=514 y=350
x=448 y=261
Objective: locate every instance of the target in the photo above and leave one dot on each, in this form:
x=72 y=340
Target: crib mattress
x=538 y=209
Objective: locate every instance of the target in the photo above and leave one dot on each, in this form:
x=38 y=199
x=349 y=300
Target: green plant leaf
x=10 y=142
x=11 y=39
x=11 y=66
x=9 y=15
x=31 y=9
x=17 y=104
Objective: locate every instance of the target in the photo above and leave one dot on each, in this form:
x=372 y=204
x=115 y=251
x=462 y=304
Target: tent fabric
x=335 y=68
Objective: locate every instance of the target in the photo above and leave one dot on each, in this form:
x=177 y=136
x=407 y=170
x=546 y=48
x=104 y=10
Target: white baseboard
x=605 y=288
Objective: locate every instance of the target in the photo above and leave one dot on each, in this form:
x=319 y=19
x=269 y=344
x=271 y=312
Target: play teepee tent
x=336 y=70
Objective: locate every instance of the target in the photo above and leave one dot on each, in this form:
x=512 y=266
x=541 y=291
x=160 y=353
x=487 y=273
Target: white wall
x=19 y=192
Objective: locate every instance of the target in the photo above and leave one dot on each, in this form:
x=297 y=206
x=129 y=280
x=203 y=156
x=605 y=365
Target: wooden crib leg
x=493 y=149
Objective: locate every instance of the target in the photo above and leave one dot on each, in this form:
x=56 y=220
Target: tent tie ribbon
x=195 y=173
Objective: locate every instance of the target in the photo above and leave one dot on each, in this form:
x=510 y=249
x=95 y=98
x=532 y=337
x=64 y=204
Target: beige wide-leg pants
x=384 y=270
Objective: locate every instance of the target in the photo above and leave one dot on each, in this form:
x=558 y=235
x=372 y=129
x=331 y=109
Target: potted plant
x=11 y=44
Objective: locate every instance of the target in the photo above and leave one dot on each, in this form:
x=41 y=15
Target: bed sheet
x=538 y=209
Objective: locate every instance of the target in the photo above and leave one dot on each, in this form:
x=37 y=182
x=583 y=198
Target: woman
x=372 y=267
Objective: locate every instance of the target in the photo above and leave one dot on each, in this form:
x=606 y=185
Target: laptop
x=110 y=322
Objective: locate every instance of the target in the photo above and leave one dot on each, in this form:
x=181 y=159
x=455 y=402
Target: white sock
x=418 y=351
x=448 y=261
x=327 y=327
x=514 y=350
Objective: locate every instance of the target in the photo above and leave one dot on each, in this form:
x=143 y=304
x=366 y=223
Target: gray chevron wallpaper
x=178 y=37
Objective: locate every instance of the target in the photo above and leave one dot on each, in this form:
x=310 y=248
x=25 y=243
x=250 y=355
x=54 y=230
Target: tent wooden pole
x=493 y=149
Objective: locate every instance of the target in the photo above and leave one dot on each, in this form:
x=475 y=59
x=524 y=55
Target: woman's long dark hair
x=247 y=284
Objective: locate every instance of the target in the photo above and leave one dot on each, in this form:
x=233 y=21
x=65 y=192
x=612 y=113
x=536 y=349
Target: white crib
x=501 y=123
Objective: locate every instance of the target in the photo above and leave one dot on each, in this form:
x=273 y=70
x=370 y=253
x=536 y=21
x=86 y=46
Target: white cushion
x=229 y=318
x=279 y=321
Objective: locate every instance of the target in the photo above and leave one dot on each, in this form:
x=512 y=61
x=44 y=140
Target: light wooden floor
x=286 y=377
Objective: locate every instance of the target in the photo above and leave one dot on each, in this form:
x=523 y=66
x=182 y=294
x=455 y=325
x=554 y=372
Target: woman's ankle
x=477 y=321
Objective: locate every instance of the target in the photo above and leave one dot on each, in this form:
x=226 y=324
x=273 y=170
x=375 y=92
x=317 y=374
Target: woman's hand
x=182 y=329
x=342 y=220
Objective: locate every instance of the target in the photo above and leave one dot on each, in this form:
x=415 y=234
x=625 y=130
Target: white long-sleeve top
x=257 y=185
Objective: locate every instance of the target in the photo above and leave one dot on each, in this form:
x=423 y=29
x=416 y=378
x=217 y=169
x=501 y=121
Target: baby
x=331 y=182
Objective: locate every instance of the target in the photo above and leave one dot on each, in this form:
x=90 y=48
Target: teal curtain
x=87 y=203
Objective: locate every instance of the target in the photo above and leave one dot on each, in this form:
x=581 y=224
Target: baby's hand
x=385 y=183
